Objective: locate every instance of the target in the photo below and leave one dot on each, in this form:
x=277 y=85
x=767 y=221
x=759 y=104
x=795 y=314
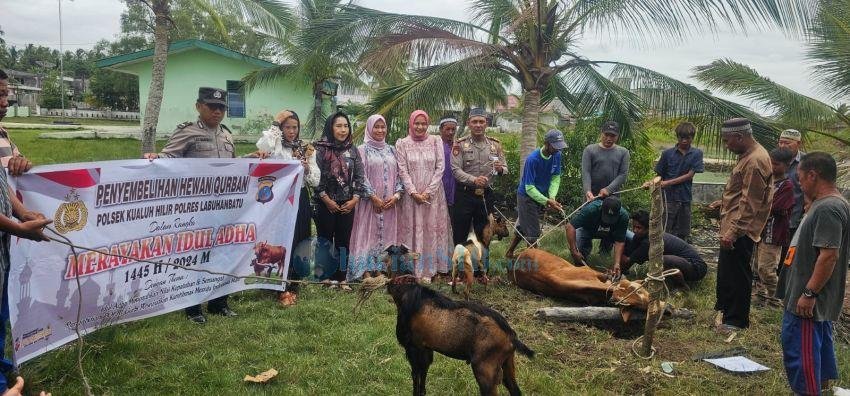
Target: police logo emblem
x=71 y=215
x=264 y=189
x=217 y=94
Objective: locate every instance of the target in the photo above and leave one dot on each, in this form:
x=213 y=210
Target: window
x=235 y=99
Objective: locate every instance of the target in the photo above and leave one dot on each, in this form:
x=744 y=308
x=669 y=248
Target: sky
x=770 y=53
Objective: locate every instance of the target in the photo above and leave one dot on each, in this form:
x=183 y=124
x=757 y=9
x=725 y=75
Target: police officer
x=205 y=138
x=475 y=160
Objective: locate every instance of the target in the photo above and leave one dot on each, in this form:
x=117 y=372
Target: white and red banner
x=234 y=216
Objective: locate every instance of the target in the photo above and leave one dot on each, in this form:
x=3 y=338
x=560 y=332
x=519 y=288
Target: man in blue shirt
x=677 y=167
x=541 y=174
x=606 y=220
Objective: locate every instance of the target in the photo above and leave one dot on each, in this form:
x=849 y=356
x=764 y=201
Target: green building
x=196 y=63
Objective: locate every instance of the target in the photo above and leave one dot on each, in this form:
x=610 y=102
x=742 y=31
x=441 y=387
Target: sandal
x=287 y=299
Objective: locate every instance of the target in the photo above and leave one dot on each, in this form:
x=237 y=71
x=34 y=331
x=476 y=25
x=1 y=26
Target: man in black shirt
x=677 y=253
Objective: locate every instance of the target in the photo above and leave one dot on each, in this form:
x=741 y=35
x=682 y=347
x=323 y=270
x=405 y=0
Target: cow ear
x=626 y=314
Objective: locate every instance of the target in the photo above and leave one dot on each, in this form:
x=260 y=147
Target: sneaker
x=197 y=319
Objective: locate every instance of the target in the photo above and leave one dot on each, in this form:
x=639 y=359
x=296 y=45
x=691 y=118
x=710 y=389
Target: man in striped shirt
x=10 y=157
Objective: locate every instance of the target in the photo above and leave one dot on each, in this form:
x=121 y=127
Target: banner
x=234 y=216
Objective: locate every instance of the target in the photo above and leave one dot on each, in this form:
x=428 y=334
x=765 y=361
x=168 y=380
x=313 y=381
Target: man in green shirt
x=542 y=173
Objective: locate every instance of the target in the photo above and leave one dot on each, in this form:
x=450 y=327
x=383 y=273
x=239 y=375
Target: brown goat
x=428 y=321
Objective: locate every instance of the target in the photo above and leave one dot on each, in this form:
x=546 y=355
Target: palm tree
x=829 y=52
x=315 y=61
x=267 y=15
x=790 y=109
x=534 y=43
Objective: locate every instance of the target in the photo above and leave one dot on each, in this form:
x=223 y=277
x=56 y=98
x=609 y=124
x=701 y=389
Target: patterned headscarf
x=332 y=149
x=370 y=125
x=413 y=116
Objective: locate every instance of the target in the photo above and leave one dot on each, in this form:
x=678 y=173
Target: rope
x=368 y=286
x=552 y=229
x=80 y=342
x=662 y=278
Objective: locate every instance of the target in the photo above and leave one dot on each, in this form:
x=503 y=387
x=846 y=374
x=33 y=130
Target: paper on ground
x=737 y=364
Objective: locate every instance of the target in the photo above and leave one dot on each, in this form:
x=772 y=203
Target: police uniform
x=197 y=140
x=472 y=158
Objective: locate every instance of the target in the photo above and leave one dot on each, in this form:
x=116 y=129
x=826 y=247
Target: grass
x=63 y=151
x=320 y=347
x=81 y=121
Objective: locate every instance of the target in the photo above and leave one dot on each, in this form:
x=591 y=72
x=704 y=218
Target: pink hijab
x=369 y=139
x=413 y=116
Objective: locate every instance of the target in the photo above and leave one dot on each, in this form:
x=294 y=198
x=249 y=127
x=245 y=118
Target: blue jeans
x=584 y=240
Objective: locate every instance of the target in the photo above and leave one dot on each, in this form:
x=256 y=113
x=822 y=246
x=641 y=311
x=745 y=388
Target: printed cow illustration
x=268 y=258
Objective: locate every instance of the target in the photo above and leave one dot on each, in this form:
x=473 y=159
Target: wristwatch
x=808 y=293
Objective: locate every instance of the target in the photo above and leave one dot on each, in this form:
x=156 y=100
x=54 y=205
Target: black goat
x=429 y=321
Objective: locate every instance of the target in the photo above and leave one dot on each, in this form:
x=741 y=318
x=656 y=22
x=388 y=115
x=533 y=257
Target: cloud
x=84 y=22
x=771 y=53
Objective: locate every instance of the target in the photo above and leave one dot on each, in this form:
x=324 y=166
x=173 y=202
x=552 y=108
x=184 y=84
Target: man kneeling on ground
x=678 y=254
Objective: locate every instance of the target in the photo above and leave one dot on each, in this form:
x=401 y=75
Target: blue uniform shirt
x=539 y=171
x=674 y=164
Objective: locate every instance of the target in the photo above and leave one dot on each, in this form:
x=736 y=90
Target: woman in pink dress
x=424 y=227
x=375 y=225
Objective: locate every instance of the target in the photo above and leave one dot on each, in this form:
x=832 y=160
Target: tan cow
x=544 y=273
x=268 y=257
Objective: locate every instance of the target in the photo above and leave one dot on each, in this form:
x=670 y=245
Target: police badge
x=71 y=215
x=264 y=189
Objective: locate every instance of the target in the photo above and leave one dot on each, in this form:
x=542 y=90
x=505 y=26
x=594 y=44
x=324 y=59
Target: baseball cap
x=611 y=210
x=556 y=139
x=611 y=127
x=792 y=134
x=209 y=95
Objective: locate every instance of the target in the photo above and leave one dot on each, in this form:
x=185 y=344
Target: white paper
x=737 y=364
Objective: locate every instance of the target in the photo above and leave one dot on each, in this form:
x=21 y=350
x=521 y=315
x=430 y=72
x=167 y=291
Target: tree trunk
x=592 y=314
x=318 y=126
x=461 y=123
x=530 y=118
x=160 y=57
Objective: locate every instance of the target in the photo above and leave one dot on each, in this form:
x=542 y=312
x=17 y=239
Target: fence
x=103 y=114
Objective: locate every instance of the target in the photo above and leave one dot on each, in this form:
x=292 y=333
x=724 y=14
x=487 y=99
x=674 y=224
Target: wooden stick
x=655 y=285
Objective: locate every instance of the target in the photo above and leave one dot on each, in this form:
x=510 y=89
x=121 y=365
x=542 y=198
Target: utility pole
x=61 y=65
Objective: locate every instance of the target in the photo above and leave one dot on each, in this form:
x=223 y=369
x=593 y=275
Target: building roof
x=116 y=62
